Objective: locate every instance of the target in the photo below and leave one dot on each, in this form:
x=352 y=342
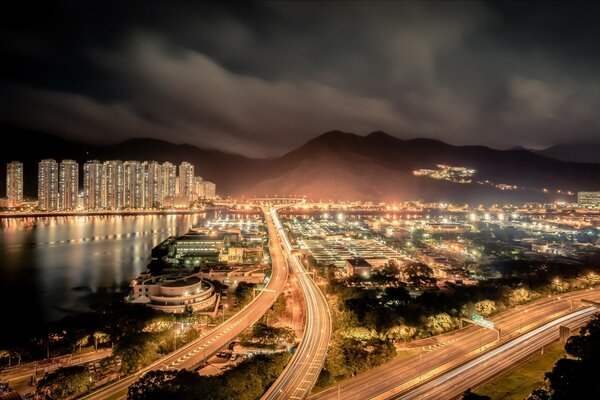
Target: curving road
x=482 y=368
x=194 y=353
x=440 y=354
x=304 y=368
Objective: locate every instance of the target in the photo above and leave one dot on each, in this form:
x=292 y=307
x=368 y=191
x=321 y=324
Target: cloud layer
x=262 y=78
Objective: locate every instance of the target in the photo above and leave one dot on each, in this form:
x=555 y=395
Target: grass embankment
x=519 y=382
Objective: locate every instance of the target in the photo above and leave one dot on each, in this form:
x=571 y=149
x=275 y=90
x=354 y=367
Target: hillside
x=582 y=152
x=338 y=165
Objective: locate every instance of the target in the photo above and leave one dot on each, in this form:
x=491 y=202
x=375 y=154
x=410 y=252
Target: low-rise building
x=173 y=293
x=358 y=267
x=588 y=198
x=234 y=275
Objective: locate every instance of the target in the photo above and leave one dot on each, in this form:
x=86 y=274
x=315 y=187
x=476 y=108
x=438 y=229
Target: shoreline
x=104 y=213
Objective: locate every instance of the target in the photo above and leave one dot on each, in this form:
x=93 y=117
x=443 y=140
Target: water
x=55 y=266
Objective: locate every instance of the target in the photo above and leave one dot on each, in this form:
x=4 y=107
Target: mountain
x=335 y=165
x=581 y=152
x=29 y=147
x=339 y=165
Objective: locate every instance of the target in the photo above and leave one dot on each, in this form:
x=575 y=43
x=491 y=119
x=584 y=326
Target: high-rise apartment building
x=48 y=185
x=153 y=184
x=588 y=198
x=198 y=187
x=169 y=180
x=14 y=183
x=113 y=185
x=209 y=190
x=93 y=180
x=68 y=185
x=133 y=185
x=186 y=180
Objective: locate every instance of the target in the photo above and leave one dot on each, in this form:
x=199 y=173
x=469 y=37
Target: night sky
x=263 y=78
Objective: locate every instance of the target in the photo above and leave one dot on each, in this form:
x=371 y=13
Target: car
x=233 y=357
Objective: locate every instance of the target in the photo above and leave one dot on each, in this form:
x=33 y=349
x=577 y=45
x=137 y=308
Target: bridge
x=262 y=201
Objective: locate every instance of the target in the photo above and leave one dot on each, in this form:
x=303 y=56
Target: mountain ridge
x=336 y=165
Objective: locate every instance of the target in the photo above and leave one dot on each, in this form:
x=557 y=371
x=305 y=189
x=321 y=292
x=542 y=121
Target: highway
x=437 y=355
x=304 y=368
x=194 y=353
x=484 y=367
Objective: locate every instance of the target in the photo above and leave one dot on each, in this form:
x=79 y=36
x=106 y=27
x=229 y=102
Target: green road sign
x=479 y=320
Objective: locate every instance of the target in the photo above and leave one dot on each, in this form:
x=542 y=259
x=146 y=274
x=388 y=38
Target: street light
x=521 y=327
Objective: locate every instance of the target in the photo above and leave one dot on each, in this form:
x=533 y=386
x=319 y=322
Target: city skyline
x=111 y=185
x=300 y=200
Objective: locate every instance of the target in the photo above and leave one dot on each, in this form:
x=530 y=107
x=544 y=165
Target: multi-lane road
x=441 y=354
x=302 y=371
x=492 y=363
x=194 y=353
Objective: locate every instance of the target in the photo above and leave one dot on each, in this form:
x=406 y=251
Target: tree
x=266 y=335
x=470 y=395
x=386 y=274
x=151 y=383
x=188 y=316
x=575 y=378
x=519 y=296
x=439 y=323
x=247 y=381
x=82 y=341
x=485 y=307
x=66 y=383
x=539 y=394
x=100 y=338
x=243 y=292
x=5 y=354
x=136 y=351
x=277 y=310
x=419 y=274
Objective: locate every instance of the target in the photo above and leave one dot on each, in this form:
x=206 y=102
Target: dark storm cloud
x=262 y=78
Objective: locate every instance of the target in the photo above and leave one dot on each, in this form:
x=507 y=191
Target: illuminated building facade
x=169 y=180
x=112 y=183
x=588 y=198
x=14 y=183
x=48 y=185
x=93 y=178
x=68 y=185
x=186 y=180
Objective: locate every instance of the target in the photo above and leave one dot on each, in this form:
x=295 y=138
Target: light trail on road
x=196 y=352
x=301 y=373
x=439 y=354
x=455 y=382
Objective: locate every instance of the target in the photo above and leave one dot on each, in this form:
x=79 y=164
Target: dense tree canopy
x=248 y=381
x=576 y=378
x=65 y=383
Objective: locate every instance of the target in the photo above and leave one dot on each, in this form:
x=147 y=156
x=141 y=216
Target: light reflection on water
x=54 y=266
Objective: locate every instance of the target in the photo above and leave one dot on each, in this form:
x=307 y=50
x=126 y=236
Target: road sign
x=485 y=323
x=479 y=320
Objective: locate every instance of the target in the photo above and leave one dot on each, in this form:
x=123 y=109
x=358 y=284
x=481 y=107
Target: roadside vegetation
x=247 y=381
x=370 y=318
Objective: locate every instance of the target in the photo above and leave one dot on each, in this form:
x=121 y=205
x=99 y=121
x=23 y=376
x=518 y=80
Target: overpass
x=196 y=352
x=301 y=373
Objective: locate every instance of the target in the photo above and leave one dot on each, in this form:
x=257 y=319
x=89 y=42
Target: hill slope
x=339 y=165
x=584 y=152
x=335 y=165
